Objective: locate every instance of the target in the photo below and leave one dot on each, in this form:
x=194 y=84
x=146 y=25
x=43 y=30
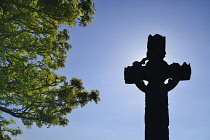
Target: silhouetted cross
x=156 y=71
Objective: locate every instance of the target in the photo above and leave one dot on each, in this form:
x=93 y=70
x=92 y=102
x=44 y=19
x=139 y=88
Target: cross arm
x=134 y=73
x=178 y=73
x=181 y=72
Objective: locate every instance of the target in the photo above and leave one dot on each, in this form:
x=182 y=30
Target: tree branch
x=18 y=115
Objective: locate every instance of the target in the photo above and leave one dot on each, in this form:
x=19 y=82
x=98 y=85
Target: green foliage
x=31 y=49
x=4 y=128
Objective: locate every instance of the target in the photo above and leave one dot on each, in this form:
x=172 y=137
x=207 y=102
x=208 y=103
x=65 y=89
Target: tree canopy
x=31 y=49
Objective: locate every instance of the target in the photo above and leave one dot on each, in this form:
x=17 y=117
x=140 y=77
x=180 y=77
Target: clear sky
x=118 y=37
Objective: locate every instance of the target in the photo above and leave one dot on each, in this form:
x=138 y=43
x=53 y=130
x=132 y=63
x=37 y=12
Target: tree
x=31 y=49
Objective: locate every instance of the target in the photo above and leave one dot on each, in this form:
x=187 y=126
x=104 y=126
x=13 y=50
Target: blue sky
x=118 y=37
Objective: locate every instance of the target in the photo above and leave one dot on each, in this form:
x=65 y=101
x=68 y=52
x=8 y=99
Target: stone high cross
x=156 y=71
